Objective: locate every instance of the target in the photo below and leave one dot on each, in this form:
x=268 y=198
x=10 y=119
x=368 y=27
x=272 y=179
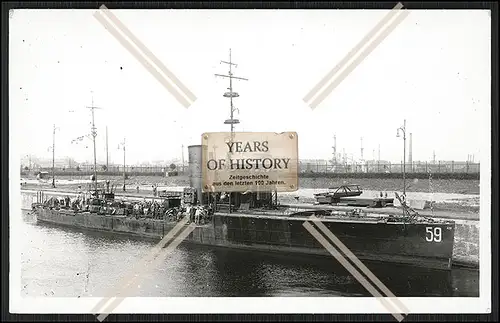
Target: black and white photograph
x=257 y=161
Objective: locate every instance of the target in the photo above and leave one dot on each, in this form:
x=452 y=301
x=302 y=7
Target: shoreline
x=450 y=186
x=461 y=196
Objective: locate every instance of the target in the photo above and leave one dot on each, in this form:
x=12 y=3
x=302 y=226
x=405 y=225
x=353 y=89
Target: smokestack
x=335 y=149
x=410 y=158
x=195 y=169
x=183 y=168
x=378 y=152
x=361 y=148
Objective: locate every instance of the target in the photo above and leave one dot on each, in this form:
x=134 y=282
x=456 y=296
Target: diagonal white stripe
x=143 y=60
x=362 y=280
x=357 y=262
x=148 y=53
x=159 y=258
x=141 y=264
x=356 y=61
x=346 y=65
x=353 y=52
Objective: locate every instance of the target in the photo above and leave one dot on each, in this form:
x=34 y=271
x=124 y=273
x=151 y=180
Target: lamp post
x=29 y=162
x=122 y=144
x=53 y=156
x=403 y=130
x=53 y=153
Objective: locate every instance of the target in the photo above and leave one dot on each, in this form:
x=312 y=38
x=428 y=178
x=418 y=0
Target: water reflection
x=58 y=261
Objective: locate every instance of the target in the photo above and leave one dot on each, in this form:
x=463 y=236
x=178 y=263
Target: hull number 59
x=433 y=234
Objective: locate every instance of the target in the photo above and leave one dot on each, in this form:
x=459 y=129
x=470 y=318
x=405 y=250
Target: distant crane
x=334 y=149
x=361 y=148
x=410 y=154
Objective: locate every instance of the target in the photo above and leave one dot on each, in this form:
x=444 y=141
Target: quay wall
x=438 y=183
x=465 y=250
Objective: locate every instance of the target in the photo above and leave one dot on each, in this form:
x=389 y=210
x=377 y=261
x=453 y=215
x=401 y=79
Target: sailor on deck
x=197 y=215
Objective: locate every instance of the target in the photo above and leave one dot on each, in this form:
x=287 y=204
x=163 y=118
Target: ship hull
x=427 y=245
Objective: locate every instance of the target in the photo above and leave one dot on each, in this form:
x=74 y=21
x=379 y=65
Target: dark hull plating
x=419 y=244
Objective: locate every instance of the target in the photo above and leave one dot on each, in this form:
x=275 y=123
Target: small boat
x=348 y=195
x=336 y=193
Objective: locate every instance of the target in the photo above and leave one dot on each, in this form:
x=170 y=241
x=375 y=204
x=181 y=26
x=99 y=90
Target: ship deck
x=288 y=213
x=437 y=215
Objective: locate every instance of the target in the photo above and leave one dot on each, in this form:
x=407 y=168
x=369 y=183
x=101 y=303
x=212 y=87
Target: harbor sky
x=433 y=71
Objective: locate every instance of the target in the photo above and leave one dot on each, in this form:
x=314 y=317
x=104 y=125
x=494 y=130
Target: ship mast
x=94 y=134
x=231 y=94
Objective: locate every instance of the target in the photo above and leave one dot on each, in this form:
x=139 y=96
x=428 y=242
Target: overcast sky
x=433 y=70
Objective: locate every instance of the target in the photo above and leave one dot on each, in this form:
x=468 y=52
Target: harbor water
x=67 y=262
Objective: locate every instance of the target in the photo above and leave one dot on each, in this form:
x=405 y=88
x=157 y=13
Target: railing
x=84 y=170
x=374 y=167
x=304 y=167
